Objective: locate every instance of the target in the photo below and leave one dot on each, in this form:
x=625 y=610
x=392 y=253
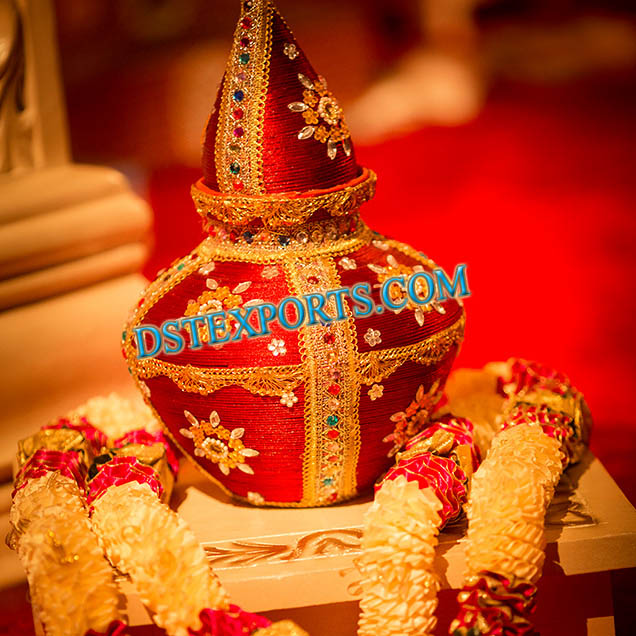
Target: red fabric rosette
x=118 y=471
x=442 y=474
x=494 y=606
x=46 y=461
x=231 y=622
x=526 y=376
x=116 y=628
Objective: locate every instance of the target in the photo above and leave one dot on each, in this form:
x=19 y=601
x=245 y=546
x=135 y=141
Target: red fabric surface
x=537 y=197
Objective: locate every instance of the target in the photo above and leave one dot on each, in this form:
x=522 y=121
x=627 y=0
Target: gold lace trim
x=280 y=211
x=272 y=381
x=371 y=367
x=375 y=366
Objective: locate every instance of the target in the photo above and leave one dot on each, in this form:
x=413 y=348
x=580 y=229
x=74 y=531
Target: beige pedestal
x=301 y=563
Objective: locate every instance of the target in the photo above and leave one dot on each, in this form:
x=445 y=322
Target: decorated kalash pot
x=305 y=416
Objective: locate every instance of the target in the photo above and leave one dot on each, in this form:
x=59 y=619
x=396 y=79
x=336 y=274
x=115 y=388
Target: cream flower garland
x=71 y=583
x=62 y=550
x=398 y=581
x=154 y=546
x=510 y=493
x=115 y=416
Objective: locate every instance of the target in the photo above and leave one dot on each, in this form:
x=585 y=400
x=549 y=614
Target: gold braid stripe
x=374 y=366
x=257 y=380
x=283 y=210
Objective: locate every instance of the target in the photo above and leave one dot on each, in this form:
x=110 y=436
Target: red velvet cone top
x=275 y=126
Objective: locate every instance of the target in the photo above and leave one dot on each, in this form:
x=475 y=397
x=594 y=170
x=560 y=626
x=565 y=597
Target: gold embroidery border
x=283 y=210
x=372 y=366
x=270 y=381
x=314 y=353
x=375 y=366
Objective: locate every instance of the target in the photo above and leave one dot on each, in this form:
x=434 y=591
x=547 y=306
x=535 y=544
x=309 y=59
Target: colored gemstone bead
x=327 y=482
x=123 y=335
x=333 y=433
x=245 y=42
x=234 y=147
x=329 y=338
x=336 y=375
x=332 y=420
x=238 y=186
x=312 y=279
x=235 y=168
x=246 y=23
x=332 y=459
x=238 y=131
x=244 y=58
x=233 y=236
x=238 y=96
x=283 y=240
x=333 y=404
x=238 y=113
x=180 y=266
x=248 y=236
x=334 y=389
x=333 y=496
x=248 y=4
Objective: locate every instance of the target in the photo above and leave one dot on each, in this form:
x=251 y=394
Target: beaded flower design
x=411 y=421
x=218 y=444
x=398 y=294
x=323 y=116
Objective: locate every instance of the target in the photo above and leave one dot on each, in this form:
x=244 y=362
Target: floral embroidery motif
x=270 y=271
x=218 y=444
x=372 y=337
x=290 y=51
x=398 y=294
x=410 y=422
x=347 y=263
x=323 y=116
x=375 y=392
x=277 y=347
x=288 y=399
x=218 y=298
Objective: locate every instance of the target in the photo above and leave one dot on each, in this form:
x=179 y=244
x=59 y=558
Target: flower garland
x=546 y=427
x=52 y=535
x=125 y=480
x=126 y=472
x=419 y=495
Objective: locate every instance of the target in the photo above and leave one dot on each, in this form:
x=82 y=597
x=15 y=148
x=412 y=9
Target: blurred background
x=502 y=133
